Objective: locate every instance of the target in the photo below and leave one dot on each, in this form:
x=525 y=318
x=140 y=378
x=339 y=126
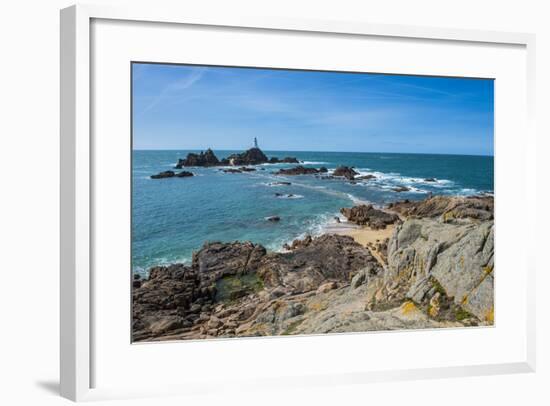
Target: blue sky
x=194 y=107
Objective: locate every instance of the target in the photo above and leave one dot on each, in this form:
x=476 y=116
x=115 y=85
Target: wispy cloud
x=175 y=87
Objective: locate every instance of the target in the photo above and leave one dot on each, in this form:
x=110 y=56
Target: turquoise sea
x=173 y=217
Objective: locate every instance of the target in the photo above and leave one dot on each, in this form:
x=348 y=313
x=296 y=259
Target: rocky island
x=413 y=264
x=252 y=156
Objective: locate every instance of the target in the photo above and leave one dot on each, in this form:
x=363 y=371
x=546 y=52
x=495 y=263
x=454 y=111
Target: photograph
x=277 y=202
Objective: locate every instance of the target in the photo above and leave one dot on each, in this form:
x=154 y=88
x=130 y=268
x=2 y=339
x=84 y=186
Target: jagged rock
x=326 y=287
x=299 y=243
x=448 y=207
x=360 y=278
x=401 y=189
x=171 y=174
x=206 y=158
x=365 y=177
x=280 y=184
x=253 y=156
x=184 y=174
x=438 y=273
x=286 y=160
x=174 y=299
x=227 y=258
x=345 y=172
x=430 y=180
x=369 y=216
x=457 y=258
x=163 y=175
x=274 y=219
x=306 y=267
x=297 y=170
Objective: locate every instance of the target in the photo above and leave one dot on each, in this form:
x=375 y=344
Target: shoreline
x=351 y=277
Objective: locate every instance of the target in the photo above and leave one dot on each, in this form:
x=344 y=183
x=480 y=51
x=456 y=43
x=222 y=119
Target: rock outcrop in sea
x=436 y=270
x=252 y=156
x=346 y=172
x=206 y=158
x=301 y=170
x=172 y=174
x=367 y=215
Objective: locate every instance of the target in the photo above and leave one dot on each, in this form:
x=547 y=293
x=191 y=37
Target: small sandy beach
x=363 y=235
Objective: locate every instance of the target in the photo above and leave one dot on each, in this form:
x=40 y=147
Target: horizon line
x=290 y=150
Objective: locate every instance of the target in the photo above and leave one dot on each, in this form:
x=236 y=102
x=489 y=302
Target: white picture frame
x=76 y=281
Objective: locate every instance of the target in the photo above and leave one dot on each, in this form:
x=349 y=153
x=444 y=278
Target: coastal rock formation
x=401 y=189
x=367 y=215
x=476 y=207
x=441 y=258
x=297 y=170
x=171 y=174
x=206 y=158
x=365 y=177
x=233 y=285
x=239 y=170
x=285 y=160
x=428 y=257
x=436 y=270
x=184 y=174
x=345 y=172
x=163 y=175
x=253 y=156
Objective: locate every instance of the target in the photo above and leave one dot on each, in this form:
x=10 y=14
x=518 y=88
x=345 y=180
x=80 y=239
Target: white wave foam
x=290 y=196
x=356 y=200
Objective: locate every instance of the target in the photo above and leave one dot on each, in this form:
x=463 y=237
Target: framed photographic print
x=281 y=197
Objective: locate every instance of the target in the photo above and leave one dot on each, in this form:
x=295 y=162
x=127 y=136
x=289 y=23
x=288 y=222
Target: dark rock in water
x=284 y=195
x=253 y=156
x=365 y=177
x=206 y=158
x=369 y=216
x=448 y=207
x=231 y=170
x=286 y=160
x=274 y=218
x=430 y=180
x=346 y=172
x=184 y=174
x=297 y=170
x=337 y=219
x=280 y=183
x=298 y=243
x=163 y=175
x=245 y=169
x=322 y=169
x=401 y=189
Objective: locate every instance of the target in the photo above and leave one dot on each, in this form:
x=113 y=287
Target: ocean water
x=173 y=217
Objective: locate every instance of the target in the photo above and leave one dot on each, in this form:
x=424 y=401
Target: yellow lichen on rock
x=490 y=316
x=408 y=307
